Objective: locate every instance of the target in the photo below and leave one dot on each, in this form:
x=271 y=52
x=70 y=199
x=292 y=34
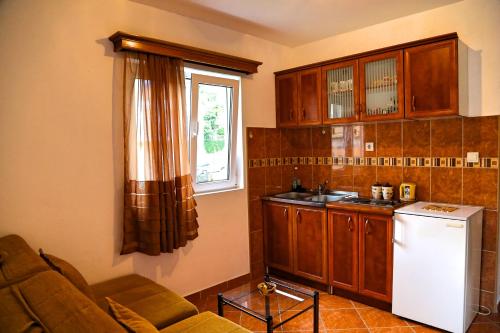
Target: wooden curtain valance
x=127 y=42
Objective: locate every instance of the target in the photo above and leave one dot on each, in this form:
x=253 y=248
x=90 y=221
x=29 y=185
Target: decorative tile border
x=436 y=162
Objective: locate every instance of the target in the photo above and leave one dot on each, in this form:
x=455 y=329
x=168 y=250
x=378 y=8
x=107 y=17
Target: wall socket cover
x=369 y=146
x=472 y=157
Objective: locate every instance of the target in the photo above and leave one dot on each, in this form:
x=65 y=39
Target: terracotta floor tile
x=378 y=318
x=360 y=305
x=254 y=324
x=303 y=322
x=484 y=328
x=334 y=302
x=341 y=319
x=401 y=329
x=234 y=316
x=425 y=329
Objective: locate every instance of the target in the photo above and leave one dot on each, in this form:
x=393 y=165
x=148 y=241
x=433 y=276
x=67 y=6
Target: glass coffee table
x=273 y=309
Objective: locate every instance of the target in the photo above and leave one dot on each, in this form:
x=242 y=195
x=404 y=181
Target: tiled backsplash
x=430 y=153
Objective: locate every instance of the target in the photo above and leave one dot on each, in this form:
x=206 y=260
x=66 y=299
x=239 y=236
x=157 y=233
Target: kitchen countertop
x=364 y=208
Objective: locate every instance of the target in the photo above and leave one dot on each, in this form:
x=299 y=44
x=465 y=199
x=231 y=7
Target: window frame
x=233 y=177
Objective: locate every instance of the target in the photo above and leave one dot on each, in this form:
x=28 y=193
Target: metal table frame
x=268 y=318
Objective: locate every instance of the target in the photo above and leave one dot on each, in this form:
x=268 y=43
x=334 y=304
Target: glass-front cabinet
x=381 y=86
x=340 y=92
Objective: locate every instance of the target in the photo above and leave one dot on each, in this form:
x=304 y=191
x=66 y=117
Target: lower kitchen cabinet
x=375 y=256
x=295 y=240
x=361 y=253
x=278 y=236
x=310 y=243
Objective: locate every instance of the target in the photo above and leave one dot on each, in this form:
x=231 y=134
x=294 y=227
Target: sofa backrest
x=18 y=261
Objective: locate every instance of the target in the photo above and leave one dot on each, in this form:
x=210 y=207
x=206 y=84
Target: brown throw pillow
x=128 y=318
x=69 y=272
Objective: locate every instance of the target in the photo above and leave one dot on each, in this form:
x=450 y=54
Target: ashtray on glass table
x=273 y=308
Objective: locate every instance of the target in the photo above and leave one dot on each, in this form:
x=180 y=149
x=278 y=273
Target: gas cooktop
x=371 y=202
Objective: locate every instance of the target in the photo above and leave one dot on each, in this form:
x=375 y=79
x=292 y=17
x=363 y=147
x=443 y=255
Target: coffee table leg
x=269 y=322
x=220 y=305
x=316 y=312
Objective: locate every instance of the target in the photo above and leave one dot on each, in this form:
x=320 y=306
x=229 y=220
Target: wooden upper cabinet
x=381 y=86
x=278 y=235
x=340 y=92
x=309 y=99
x=343 y=249
x=286 y=100
x=375 y=256
x=431 y=80
x=310 y=243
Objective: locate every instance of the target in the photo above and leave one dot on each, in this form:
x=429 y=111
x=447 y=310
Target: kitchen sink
x=293 y=195
x=325 y=197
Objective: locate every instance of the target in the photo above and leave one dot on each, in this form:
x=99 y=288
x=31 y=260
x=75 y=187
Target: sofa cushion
x=68 y=271
x=13 y=314
x=206 y=322
x=19 y=260
x=128 y=318
x=150 y=300
x=62 y=308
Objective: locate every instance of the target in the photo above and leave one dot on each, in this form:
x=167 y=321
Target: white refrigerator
x=437 y=264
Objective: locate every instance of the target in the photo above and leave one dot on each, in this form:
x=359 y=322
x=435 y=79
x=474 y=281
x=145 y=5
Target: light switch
x=472 y=157
x=369 y=146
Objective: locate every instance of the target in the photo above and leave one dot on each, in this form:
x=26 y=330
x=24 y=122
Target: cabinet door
x=381 y=86
x=431 y=80
x=310 y=244
x=340 y=92
x=309 y=97
x=286 y=100
x=375 y=256
x=343 y=249
x=278 y=235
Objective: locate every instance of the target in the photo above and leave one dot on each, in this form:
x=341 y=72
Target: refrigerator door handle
x=397 y=231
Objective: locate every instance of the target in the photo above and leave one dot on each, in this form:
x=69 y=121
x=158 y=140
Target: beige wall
x=477 y=23
x=61 y=168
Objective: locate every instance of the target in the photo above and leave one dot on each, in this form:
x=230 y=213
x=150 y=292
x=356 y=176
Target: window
x=213 y=102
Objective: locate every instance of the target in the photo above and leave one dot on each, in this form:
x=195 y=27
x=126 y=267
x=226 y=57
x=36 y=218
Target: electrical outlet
x=472 y=157
x=369 y=146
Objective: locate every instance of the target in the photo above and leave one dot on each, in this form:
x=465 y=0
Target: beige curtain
x=160 y=213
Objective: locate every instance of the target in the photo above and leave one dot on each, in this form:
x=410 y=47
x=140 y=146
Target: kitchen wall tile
x=342 y=178
x=361 y=134
x=255 y=218
x=287 y=174
x=389 y=140
x=364 y=177
x=342 y=140
x=480 y=187
x=481 y=135
x=255 y=193
x=256 y=177
x=273 y=175
x=421 y=177
x=321 y=141
x=446 y=137
x=256 y=246
x=321 y=173
x=272 y=190
x=488 y=270
x=273 y=142
x=256 y=143
x=446 y=185
x=417 y=138
x=392 y=175
x=304 y=173
x=490 y=230
x=296 y=142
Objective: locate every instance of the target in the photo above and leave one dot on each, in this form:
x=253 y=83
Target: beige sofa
x=48 y=295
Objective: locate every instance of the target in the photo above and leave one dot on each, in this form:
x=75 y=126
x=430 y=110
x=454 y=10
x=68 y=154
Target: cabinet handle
x=349 y=223
x=285 y=213
x=298 y=216
x=413 y=103
x=366 y=226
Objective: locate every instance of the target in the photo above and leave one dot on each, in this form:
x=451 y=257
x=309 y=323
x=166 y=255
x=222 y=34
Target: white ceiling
x=295 y=22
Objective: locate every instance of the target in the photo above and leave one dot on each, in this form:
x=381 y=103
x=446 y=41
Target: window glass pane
x=213 y=141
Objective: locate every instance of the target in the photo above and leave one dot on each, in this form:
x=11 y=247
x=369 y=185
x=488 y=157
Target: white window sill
x=210 y=192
